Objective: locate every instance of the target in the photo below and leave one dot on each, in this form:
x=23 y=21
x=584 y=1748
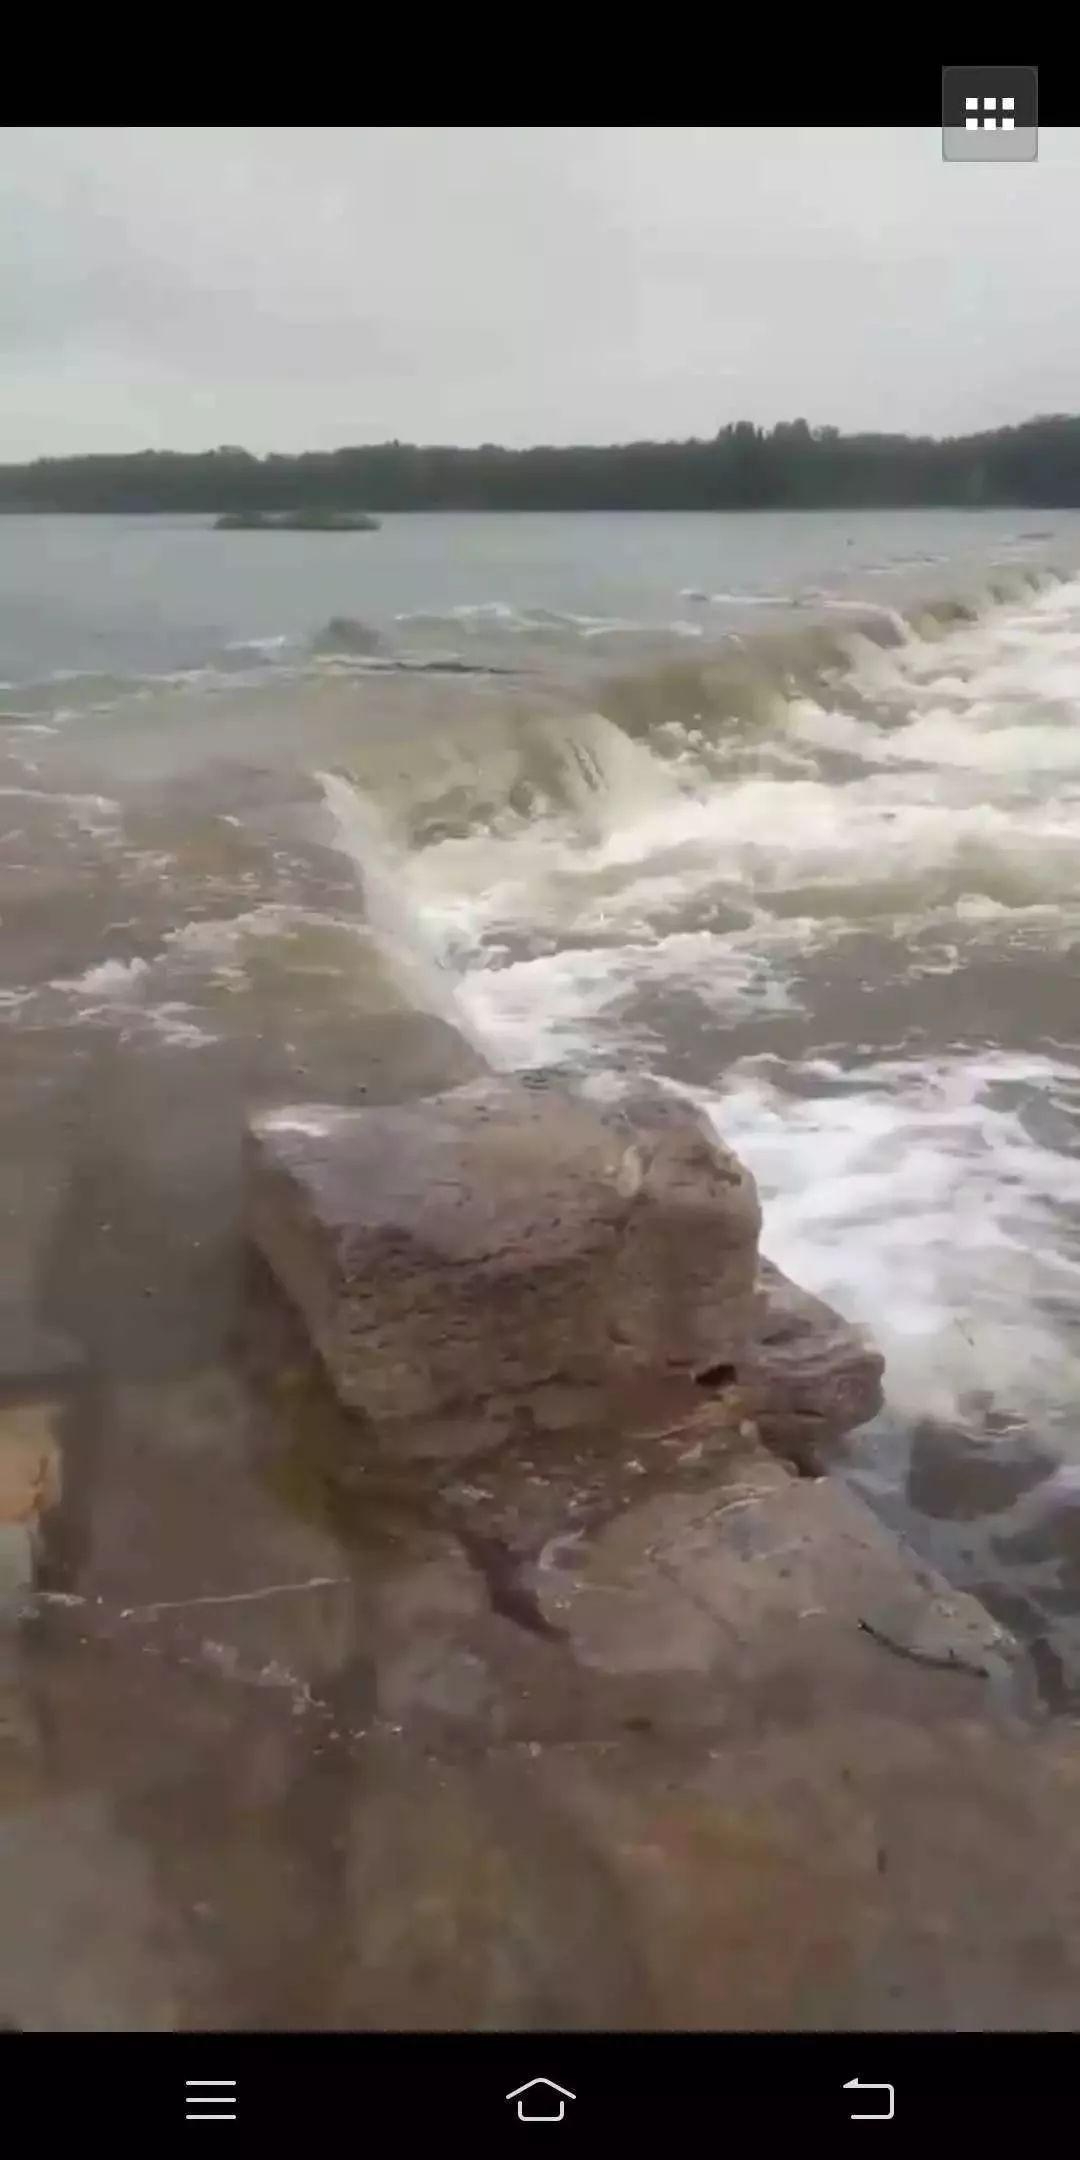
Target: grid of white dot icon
x=984 y=113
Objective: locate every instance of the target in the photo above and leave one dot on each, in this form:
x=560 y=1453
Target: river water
x=785 y=810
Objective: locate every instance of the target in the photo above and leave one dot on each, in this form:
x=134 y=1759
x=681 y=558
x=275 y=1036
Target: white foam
x=107 y=979
x=214 y=941
x=217 y=946
x=991 y=710
x=945 y=738
x=99 y=806
x=864 y=848
x=173 y=1024
x=750 y=599
x=260 y=644
x=305 y=1120
x=569 y=1007
x=914 y=1197
x=111 y=995
x=412 y=956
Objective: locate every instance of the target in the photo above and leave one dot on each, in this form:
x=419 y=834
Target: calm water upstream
x=783 y=809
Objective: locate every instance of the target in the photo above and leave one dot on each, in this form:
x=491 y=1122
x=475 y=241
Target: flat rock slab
x=463 y=1249
x=715 y=1759
x=766 y=1572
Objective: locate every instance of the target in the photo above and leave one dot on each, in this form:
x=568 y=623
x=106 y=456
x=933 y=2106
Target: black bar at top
x=872 y=90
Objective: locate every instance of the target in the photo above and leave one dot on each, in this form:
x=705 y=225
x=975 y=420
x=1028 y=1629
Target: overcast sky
x=293 y=287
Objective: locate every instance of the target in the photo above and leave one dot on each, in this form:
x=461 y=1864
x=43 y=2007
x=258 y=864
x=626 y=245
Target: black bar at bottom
x=584 y=2086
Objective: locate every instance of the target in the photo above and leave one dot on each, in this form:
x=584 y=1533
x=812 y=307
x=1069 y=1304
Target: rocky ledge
x=624 y=1726
x=503 y=1254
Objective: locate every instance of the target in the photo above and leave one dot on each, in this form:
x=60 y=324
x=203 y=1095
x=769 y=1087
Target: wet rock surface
x=348 y=1748
x=502 y=1258
x=609 y=1720
x=495 y=1238
x=997 y=1465
x=807 y=1377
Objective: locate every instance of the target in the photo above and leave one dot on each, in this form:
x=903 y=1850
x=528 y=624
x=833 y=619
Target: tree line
x=792 y=466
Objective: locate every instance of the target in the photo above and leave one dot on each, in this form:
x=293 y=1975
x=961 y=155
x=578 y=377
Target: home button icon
x=541 y=2100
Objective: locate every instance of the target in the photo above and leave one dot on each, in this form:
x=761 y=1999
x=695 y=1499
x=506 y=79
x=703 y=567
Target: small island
x=311 y=520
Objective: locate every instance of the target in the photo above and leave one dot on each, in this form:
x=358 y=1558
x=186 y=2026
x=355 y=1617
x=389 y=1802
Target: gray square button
x=990 y=115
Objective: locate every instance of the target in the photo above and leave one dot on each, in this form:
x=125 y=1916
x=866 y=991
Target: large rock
x=469 y=1247
x=807 y=1376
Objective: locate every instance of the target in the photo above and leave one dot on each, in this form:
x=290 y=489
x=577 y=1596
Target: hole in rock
x=716 y=1376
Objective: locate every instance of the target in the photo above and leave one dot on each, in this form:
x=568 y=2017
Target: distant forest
x=789 y=467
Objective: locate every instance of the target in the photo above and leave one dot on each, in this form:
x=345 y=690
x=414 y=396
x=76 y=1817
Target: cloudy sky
x=292 y=287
